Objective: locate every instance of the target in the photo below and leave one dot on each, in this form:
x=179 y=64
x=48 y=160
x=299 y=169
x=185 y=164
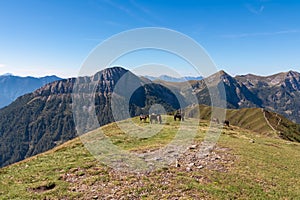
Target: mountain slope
x=11 y=87
x=235 y=169
x=237 y=95
x=41 y=120
x=279 y=93
x=254 y=119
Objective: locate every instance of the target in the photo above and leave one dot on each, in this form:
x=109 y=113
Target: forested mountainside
x=40 y=120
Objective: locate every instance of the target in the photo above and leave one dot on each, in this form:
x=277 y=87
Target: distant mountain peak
x=222 y=73
x=114 y=69
x=292 y=74
x=174 y=79
x=111 y=73
x=7 y=74
x=11 y=87
x=219 y=76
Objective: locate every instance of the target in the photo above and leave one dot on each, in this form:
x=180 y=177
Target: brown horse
x=179 y=115
x=144 y=117
x=226 y=123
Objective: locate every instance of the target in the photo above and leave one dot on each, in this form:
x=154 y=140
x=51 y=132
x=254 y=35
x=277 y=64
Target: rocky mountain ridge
x=41 y=120
x=278 y=93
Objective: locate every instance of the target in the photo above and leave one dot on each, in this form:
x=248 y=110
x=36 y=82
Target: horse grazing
x=158 y=117
x=144 y=117
x=215 y=120
x=179 y=115
x=155 y=118
x=226 y=123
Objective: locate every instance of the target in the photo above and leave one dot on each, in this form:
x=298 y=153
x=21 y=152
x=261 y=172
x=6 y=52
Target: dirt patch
x=168 y=182
x=43 y=188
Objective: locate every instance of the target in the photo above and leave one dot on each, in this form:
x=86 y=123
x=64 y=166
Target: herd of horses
x=156 y=118
x=217 y=121
x=153 y=118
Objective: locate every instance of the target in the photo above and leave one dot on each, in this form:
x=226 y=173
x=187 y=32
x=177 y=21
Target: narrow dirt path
x=267 y=120
x=278 y=120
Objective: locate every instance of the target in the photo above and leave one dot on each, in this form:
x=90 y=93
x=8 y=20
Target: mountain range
x=278 y=93
x=40 y=120
x=12 y=86
x=174 y=79
x=43 y=119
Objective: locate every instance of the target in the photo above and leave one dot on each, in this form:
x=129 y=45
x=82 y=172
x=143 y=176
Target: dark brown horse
x=179 y=115
x=226 y=123
x=144 y=117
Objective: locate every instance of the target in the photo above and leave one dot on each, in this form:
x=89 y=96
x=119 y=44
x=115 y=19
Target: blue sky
x=43 y=37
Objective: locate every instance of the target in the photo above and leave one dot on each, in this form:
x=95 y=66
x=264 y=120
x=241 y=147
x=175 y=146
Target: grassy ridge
x=265 y=168
x=256 y=120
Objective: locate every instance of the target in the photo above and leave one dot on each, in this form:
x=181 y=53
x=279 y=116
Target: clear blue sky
x=42 y=37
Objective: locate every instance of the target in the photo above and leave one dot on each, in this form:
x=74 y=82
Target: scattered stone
x=157 y=159
x=191 y=164
x=188 y=169
x=202 y=155
x=177 y=163
x=188 y=163
x=193 y=146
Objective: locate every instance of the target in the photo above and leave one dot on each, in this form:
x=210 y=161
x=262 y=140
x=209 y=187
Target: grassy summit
x=243 y=165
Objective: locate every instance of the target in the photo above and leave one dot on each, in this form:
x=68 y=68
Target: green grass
x=253 y=119
x=266 y=169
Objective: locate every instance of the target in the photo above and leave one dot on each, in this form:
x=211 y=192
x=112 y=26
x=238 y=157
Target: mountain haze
x=173 y=79
x=11 y=87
